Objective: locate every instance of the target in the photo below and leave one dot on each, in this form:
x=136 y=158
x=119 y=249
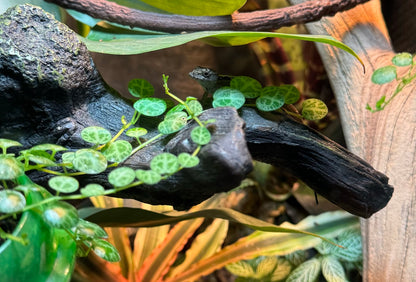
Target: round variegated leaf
x=141 y=88
x=200 y=135
x=250 y=87
x=105 y=250
x=165 y=163
x=60 y=215
x=10 y=168
x=149 y=177
x=11 y=201
x=187 y=160
x=271 y=99
x=89 y=230
x=64 y=184
x=121 y=176
x=150 y=106
x=228 y=97
x=92 y=190
x=89 y=161
x=96 y=135
x=118 y=151
x=314 y=109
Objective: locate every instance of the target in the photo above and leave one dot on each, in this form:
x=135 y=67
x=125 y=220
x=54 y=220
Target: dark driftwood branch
x=254 y=21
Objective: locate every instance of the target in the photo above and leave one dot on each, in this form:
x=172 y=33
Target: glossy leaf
x=250 y=87
x=60 y=215
x=88 y=230
x=64 y=184
x=11 y=201
x=67 y=158
x=307 y=271
x=177 y=108
x=40 y=160
x=96 y=135
x=10 y=168
x=118 y=151
x=165 y=163
x=105 y=250
x=290 y=92
x=187 y=160
x=314 y=109
x=271 y=99
x=333 y=270
x=92 y=190
x=384 y=75
x=141 y=88
x=200 y=135
x=402 y=59
x=48 y=147
x=89 y=161
x=228 y=97
x=121 y=176
x=148 y=176
x=7 y=143
x=150 y=106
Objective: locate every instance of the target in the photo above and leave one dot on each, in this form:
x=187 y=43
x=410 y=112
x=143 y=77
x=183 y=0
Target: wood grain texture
x=386 y=139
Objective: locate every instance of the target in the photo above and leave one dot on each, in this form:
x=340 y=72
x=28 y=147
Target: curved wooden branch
x=253 y=21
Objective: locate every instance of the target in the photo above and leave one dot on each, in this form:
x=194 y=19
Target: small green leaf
x=92 y=190
x=384 y=75
x=187 y=160
x=40 y=160
x=314 y=109
x=307 y=271
x=121 y=176
x=171 y=126
x=177 y=108
x=200 y=135
x=228 y=97
x=105 y=250
x=96 y=135
x=271 y=98
x=67 y=158
x=165 y=163
x=136 y=132
x=10 y=168
x=195 y=107
x=89 y=161
x=64 y=184
x=242 y=269
x=380 y=102
x=332 y=269
x=61 y=215
x=48 y=147
x=402 y=59
x=149 y=177
x=118 y=151
x=290 y=92
x=89 y=230
x=141 y=88
x=250 y=87
x=150 y=106
x=6 y=143
x=11 y=201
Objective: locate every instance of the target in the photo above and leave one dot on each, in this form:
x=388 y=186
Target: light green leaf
x=150 y=106
x=250 y=87
x=136 y=132
x=118 y=151
x=307 y=271
x=96 y=135
x=6 y=143
x=200 y=135
x=48 y=147
x=141 y=88
x=281 y=271
x=121 y=176
x=384 y=75
x=149 y=177
x=61 y=215
x=352 y=251
x=195 y=106
x=10 y=168
x=177 y=108
x=187 y=160
x=67 y=158
x=332 y=270
x=228 y=97
x=266 y=266
x=314 y=109
x=89 y=161
x=173 y=122
x=165 y=163
x=105 y=250
x=241 y=268
x=64 y=184
x=89 y=230
x=40 y=160
x=298 y=257
x=402 y=59
x=11 y=201
x=271 y=98
x=92 y=190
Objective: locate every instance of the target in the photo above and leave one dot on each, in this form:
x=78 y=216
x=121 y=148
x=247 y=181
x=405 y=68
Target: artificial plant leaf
x=118 y=151
x=402 y=59
x=64 y=184
x=150 y=106
x=249 y=86
x=141 y=88
x=60 y=215
x=271 y=98
x=92 y=189
x=10 y=168
x=200 y=135
x=307 y=271
x=314 y=109
x=384 y=75
x=96 y=135
x=228 y=97
x=11 y=201
x=148 y=176
x=165 y=163
x=89 y=161
x=121 y=176
x=333 y=270
x=105 y=250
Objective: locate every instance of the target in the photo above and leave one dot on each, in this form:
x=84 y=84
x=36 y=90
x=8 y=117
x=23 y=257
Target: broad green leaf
x=165 y=163
x=96 y=135
x=150 y=106
x=10 y=168
x=105 y=250
x=129 y=44
x=250 y=87
x=121 y=176
x=118 y=151
x=89 y=230
x=290 y=92
x=271 y=98
x=241 y=268
x=198 y=8
x=200 y=135
x=187 y=160
x=64 y=184
x=281 y=271
x=228 y=97
x=6 y=143
x=92 y=190
x=148 y=176
x=136 y=132
x=298 y=257
x=402 y=59
x=89 y=161
x=384 y=75
x=11 y=201
x=83 y=18
x=266 y=266
x=332 y=270
x=352 y=251
x=314 y=109
x=141 y=88
x=60 y=215
x=307 y=271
